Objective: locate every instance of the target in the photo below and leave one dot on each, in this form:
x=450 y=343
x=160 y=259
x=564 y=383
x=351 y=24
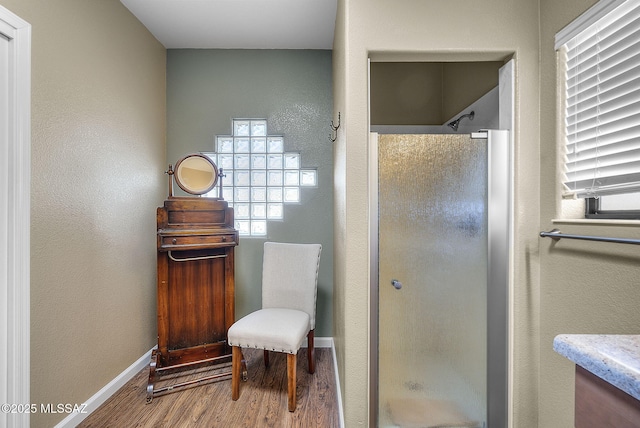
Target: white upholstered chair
x=288 y=314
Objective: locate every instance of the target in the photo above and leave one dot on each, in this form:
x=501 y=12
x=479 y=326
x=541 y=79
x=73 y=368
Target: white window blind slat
x=602 y=115
x=621 y=136
x=583 y=47
x=623 y=87
x=609 y=134
x=618 y=108
x=587 y=164
x=605 y=78
x=603 y=150
x=607 y=69
x=608 y=116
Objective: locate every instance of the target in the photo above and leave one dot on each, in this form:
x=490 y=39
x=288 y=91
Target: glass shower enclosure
x=441 y=296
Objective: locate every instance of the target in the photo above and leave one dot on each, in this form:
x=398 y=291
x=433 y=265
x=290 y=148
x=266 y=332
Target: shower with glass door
x=442 y=262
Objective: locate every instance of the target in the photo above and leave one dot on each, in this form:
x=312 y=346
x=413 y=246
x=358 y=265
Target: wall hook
x=334 y=130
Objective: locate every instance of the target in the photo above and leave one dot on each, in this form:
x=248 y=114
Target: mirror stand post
x=169 y=172
x=221 y=175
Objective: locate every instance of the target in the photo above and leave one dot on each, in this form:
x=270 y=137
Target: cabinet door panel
x=600 y=404
x=196 y=303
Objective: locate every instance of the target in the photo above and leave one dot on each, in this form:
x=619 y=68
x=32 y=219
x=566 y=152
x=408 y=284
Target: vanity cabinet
x=607 y=381
x=195 y=287
x=600 y=404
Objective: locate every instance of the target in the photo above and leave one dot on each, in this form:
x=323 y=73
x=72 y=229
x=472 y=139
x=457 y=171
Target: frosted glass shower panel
x=433 y=240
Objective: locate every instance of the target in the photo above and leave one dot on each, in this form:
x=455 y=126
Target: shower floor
x=428 y=413
x=429 y=396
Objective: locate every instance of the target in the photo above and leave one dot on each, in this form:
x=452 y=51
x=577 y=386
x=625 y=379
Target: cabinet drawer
x=196 y=241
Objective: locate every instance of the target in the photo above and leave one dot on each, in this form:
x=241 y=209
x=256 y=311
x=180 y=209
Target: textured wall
x=461 y=31
x=98 y=152
x=206 y=89
x=585 y=287
x=406 y=93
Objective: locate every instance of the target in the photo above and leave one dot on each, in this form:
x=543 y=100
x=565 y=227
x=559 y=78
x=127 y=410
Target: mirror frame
x=184 y=186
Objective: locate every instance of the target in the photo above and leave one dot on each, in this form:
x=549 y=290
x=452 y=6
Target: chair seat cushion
x=273 y=329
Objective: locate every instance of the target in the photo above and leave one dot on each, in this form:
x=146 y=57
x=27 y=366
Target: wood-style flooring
x=262 y=402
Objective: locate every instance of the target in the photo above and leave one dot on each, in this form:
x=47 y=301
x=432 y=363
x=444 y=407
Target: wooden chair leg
x=266 y=358
x=291 y=380
x=236 y=367
x=311 y=352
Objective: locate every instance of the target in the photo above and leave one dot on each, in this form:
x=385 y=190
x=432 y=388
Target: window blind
x=602 y=103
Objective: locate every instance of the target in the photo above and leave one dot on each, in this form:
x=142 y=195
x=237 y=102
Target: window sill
x=597 y=222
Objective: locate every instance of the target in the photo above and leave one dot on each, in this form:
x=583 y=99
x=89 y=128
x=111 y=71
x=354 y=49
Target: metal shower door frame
x=499 y=230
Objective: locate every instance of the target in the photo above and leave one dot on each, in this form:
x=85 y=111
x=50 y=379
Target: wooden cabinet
x=599 y=404
x=195 y=299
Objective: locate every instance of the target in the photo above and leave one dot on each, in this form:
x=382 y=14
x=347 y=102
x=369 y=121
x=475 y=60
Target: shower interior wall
x=487 y=116
x=428 y=93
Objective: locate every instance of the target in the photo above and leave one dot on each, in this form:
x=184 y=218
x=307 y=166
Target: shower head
x=454 y=124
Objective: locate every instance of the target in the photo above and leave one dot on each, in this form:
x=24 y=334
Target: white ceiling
x=238 y=24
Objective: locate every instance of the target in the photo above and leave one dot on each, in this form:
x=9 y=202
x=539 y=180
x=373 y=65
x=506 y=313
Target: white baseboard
x=320 y=342
x=107 y=391
x=119 y=381
x=338 y=390
x=327 y=342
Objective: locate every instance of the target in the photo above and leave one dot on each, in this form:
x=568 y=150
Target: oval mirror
x=196 y=174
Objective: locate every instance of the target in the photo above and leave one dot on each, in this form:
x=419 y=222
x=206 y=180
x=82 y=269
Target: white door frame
x=15 y=224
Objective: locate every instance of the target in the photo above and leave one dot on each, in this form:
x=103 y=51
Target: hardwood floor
x=262 y=402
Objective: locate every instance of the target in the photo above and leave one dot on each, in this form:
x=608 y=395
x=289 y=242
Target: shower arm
x=454 y=124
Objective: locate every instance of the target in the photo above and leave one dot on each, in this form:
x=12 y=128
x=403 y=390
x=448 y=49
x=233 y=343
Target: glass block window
x=260 y=177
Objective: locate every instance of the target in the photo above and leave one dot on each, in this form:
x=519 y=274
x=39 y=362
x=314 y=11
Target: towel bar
x=556 y=235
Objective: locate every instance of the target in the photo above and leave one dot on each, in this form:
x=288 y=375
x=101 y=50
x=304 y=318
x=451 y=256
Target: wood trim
x=163 y=303
x=229 y=290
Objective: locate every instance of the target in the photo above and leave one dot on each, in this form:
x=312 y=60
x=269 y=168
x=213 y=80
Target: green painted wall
x=292 y=89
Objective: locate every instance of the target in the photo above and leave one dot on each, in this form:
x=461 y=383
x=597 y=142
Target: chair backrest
x=290 y=277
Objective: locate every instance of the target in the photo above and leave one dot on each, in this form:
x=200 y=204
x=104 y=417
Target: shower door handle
x=396 y=284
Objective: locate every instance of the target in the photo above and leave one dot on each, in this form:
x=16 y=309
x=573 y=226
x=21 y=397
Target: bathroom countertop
x=614 y=358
